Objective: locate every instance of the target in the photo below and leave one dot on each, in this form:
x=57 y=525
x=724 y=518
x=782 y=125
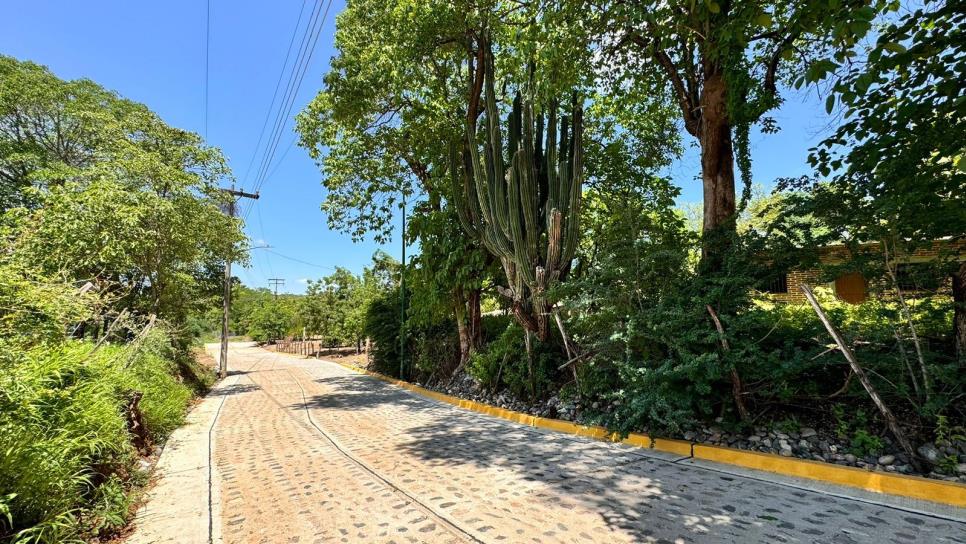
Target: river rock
x=929 y=452
x=887 y=459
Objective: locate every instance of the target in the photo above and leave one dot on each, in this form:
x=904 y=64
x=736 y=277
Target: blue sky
x=154 y=53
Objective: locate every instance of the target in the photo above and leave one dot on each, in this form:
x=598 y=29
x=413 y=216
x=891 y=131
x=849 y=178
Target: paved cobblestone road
x=308 y=451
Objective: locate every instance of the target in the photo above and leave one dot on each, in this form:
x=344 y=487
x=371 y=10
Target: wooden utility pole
x=223 y=360
x=275 y=283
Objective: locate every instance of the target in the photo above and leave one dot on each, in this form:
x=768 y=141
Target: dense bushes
x=431 y=346
x=64 y=432
x=67 y=441
x=505 y=363
x=382 y=326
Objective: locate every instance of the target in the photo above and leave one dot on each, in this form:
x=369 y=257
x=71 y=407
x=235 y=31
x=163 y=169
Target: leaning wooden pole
x=887 y=414
x=737 y=391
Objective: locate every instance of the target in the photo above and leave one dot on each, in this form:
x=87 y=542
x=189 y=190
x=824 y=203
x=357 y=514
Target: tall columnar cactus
x=523 y=201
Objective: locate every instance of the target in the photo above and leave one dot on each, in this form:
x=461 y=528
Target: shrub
x=504 y=363
x=64 y=434
x=382 y=327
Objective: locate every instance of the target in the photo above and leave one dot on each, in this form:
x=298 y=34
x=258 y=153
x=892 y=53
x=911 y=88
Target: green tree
x=897 y=159
x=392 y=101
x=270 y=321
x=722 y=63
x=326 y=309
x=98 y=188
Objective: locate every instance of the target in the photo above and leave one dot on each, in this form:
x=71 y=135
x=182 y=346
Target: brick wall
x=838 y=254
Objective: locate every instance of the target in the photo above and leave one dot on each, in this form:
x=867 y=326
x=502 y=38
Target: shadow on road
x=649 y=498
x=236 y=389
x=361 y=393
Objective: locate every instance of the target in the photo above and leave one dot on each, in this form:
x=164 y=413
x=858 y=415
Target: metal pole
x=402 y=293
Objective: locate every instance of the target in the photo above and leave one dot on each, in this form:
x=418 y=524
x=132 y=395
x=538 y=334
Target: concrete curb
x=177 y=508
x=900 y=485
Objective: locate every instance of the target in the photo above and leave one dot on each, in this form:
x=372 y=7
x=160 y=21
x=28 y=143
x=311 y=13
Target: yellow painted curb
x=914 y=487
x=901 y=485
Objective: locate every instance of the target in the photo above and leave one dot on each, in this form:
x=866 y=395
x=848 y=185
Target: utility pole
x=223 y=361
x=275 y=283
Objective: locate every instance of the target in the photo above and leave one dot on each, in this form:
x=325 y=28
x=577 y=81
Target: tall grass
x=66 y=454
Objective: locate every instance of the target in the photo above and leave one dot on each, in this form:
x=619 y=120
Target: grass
x=67 y=461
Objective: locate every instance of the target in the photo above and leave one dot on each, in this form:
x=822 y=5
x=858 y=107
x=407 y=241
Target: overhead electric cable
x=297 y=76
x=278 y=84
x=307 y=47
x=300 y=260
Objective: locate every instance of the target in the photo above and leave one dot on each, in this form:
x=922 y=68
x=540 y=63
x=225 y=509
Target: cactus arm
x=497 y=181
x=462 y=198
x=553 y=199
x=577 y=174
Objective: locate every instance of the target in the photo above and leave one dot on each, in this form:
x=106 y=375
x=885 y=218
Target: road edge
x=182 y=506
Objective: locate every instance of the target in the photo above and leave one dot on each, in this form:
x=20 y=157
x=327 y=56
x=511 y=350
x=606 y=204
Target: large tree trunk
x=474 y=316
x=959 y=316
x=717 y=167
x=459 y=303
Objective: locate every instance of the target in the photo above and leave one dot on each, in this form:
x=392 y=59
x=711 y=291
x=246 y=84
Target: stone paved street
x=308 y=451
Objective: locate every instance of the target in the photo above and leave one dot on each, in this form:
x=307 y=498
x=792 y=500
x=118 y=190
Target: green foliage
x=382 y=326
x=864 y=444
x=62 y=416
x=899 y=150
x=269 y=321
x=97 y=188
x=946 y=432
x=334 y=308
x=33 y=309
x=503 y=364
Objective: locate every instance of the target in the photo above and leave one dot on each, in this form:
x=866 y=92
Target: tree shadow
x=360 y=393
x=640 y=493
x=236 y=389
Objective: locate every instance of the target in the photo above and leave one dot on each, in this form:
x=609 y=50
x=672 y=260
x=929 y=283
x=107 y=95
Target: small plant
x=947 y=464
x=864 y=444
x=841 y=425
x=111 y=507
x=789 y=425
x=947 y=433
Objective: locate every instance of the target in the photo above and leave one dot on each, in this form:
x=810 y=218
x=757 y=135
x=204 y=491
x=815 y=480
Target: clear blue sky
x=154 y=53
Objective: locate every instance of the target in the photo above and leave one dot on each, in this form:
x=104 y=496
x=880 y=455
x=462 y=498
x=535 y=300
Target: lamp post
x=402 y=291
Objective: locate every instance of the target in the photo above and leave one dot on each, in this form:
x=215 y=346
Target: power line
x=280 y=113
x=278 y=84
x=300 y=68
x=299 y=260
x=306 y=48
